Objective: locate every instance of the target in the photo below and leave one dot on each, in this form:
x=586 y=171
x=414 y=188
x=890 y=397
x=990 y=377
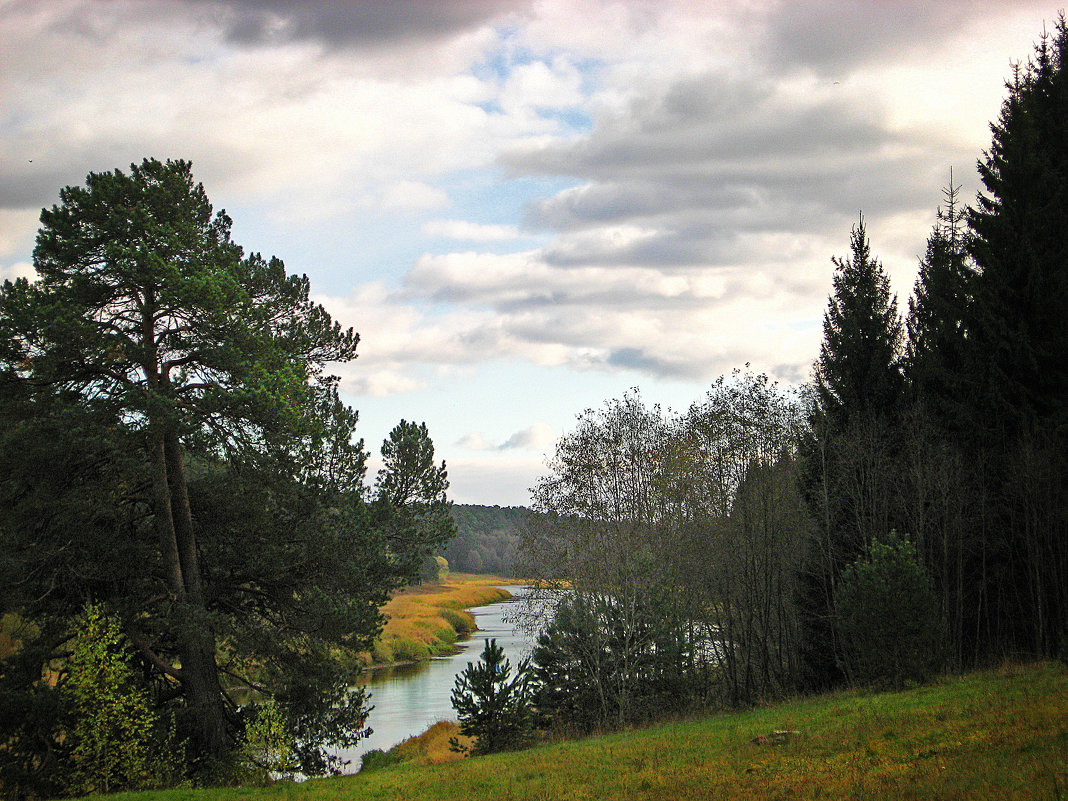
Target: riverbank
x=426 y=620
x=1000 y=734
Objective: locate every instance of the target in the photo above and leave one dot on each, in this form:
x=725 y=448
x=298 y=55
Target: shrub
x=267 y=744
x=888 y=618
x=113 y=726
x=461 y=622
x=376 y=759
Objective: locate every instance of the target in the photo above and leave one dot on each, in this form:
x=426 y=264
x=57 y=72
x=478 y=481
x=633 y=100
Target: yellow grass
x=423 y=621
x=432 y=746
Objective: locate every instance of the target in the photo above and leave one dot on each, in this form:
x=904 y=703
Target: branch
x=151 y=656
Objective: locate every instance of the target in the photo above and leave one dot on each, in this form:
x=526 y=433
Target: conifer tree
x=858 y=373
x=847 y=472
x=1017 y=341
x=937 y=311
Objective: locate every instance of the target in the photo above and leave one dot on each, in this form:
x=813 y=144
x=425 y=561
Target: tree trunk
x=200 y=674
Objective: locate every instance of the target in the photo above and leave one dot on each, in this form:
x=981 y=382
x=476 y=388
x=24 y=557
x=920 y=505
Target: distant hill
x=486 y=538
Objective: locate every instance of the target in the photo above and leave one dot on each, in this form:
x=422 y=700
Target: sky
x=527 y=207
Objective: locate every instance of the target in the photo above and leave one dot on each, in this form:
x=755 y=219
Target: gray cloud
x=366 y=23
x=703 y=165
x=834 y=36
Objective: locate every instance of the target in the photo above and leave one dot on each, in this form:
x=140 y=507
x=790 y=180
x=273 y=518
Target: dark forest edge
x=184 y=510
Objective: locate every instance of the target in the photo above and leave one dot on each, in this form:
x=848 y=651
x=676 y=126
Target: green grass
x=1000 y=734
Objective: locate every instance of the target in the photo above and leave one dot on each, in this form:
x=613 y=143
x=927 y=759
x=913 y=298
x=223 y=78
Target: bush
x=461 y=622
x=113 y=727
x=601 y=664
x=376 y=759
x=267 y=744
x=888 y=619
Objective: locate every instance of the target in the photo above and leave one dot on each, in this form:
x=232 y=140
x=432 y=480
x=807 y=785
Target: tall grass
x=1001 y=734
x=425 y=621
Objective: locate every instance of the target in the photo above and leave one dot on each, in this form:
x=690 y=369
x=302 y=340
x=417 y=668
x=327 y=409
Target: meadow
x=998 y=734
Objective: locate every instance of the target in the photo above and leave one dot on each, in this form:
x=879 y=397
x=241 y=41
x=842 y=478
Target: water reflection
x=407 y=699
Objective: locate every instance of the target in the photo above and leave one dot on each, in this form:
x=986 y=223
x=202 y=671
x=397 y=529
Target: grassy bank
x=1001 y=734
x=424 y=621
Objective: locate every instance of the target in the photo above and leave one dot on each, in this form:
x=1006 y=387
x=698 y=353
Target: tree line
x=487 y=538
x=901 y=514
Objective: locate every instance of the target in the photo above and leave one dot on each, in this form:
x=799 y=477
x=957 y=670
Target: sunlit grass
x=1001 y=734
x=423 y=621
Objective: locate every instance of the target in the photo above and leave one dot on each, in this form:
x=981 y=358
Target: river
x=407 y=699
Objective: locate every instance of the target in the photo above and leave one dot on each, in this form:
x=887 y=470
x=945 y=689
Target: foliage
x=678 y=538
x=888 y=616
x=434 y=570
x=112 y=733
x=166 y=416
x=857 y=371
x=847 y=470
x=937 y=311
x=487 y=538
x=266 y=743
x=410 y=503
x=1015 y=426
x=493 y=705
x=602 y=664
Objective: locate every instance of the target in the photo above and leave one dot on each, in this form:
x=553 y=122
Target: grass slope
x=996 y=735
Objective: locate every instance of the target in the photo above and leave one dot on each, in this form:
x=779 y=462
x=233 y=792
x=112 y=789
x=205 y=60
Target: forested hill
x=486 y=538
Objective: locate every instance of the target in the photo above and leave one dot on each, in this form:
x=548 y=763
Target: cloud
x=474 y=441
x=355 y=23
x=834 y=36
x=469 y=231
x=378 y=383
x=537 y=437
x=414 y=196
x=20 y=269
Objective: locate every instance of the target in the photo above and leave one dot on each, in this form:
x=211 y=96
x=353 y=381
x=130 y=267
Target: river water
x=407 y=699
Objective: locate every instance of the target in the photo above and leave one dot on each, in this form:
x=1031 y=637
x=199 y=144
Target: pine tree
x=493 y=706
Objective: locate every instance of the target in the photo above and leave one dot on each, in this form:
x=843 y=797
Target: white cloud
x=474 y=441
x=20 y=269
x=537 y=437
x=414 y=196
x=469 y=231
x=378 y=383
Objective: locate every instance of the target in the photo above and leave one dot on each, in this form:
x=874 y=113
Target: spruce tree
x=858 y=373
x=847 y=471
x=1020 y=325
x=937 y=311
x=1017 y=357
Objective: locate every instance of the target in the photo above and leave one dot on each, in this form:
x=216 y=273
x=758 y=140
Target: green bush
x=888 y=618
x=405 y=650
x=376 y=758
x=267 y=744
x=113 y=726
